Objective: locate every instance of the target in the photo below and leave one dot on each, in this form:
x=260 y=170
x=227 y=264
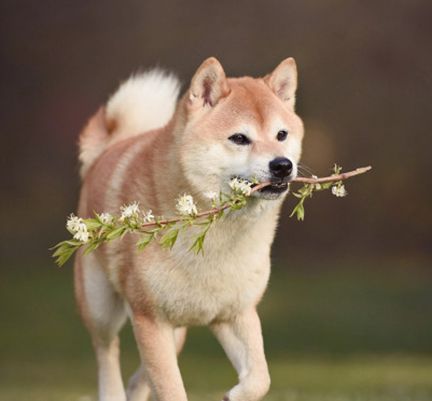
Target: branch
x=311 y=180
x=205 y=213
x=334 y=177
x=304 y=180
x=92 y=232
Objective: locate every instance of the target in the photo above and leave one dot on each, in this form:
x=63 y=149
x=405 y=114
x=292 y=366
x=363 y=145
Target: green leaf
x=64 y=251
x=118 y=232
x=197 y=246
x=144 y=241
x=337 y=169
x=92 y=224
x=299 y=211
x=71 y=242
x=169 y=238
x=238 y=202
x=91 y=247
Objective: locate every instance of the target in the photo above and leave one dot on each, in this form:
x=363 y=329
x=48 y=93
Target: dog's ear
x=209 y=84
x=283 y=81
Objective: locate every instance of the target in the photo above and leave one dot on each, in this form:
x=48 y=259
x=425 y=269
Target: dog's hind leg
x=104 y=315
x=138 y=388
x=242 y=341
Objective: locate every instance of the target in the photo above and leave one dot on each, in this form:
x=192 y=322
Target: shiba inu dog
x=145 y=145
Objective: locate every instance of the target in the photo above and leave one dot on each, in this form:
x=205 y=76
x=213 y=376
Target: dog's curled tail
x=144 y=102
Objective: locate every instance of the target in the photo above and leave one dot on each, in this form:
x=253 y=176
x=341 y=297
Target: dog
x=148 y=145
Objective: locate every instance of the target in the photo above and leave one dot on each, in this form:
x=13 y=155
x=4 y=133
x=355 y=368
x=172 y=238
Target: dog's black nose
x=281 y=167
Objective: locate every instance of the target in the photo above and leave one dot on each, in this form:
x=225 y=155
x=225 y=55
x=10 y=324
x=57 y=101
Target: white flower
x=82 y=235
x=128 y=211
x=211 y=195
x=339 y=191
x=148 y=217
x=186 y=206
x=73 y=223
x=78 y=228
x=106 y=218
x=241 y=186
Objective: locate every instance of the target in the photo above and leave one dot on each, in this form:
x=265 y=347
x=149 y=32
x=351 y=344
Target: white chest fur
x=231 y=275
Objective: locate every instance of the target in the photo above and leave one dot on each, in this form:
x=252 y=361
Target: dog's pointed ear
x=209 y=84
x=283 y=81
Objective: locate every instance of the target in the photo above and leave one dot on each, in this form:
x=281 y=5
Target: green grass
x=348 y=334
x=294 y=379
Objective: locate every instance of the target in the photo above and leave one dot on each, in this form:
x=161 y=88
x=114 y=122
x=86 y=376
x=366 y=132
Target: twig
x=92 y=232
x=334 y=177
x=312 y=180
x=304 y=180
x=205 y=213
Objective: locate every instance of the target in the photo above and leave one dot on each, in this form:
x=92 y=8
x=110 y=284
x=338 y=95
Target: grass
x=342 y=335
x=365 y=378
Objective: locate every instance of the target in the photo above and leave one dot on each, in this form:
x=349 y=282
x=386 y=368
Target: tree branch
x=304 y=180
x=96 y=231
x=312 y=180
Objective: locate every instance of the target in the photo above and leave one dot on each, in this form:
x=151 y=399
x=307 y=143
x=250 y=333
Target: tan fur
x=163 y=290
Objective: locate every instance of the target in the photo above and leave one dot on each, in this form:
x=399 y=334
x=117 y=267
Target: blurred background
x=348 y=312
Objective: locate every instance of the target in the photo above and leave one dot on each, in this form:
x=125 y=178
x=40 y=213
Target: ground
x=339 y=335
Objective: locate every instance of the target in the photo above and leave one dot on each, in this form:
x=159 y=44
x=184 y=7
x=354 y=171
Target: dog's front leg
x=242 y=341
x=157 y=349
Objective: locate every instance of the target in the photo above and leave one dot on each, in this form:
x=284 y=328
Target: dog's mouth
x=275 y=188
x=271 y=189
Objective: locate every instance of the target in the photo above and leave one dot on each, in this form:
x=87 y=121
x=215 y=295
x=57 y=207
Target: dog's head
x=241 y=127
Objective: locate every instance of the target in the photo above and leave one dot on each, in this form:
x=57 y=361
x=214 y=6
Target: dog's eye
x=240 y=139
x=282 y=135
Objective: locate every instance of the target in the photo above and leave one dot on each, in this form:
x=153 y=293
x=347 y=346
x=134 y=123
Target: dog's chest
x=198 y=293
x=197 y=289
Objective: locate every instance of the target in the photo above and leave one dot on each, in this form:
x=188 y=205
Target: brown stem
x=206 y=213
x=304 y=180
x=334 y=177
